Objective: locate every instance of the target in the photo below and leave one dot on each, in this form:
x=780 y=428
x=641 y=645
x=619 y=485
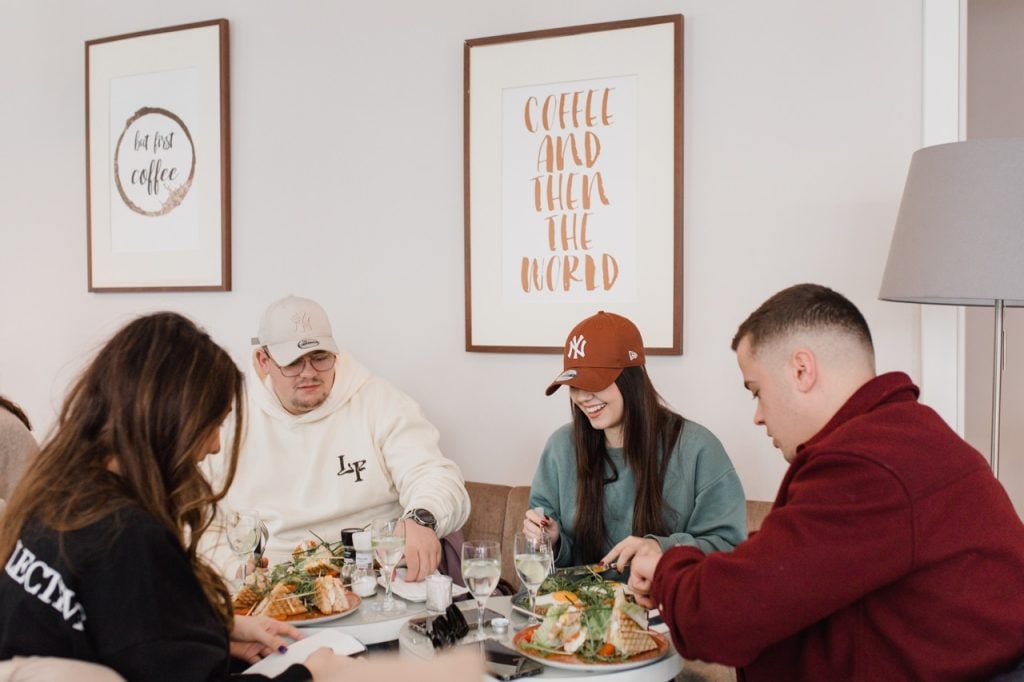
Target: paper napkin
x=415 y=591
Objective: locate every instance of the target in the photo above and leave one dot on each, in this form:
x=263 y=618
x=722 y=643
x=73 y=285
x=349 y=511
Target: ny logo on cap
x=301 y=322
x=577 y=348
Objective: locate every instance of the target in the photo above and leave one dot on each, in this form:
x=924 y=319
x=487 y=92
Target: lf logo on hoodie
x=357 y=468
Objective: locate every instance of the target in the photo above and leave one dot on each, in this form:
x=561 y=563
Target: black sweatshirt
x=120 y=592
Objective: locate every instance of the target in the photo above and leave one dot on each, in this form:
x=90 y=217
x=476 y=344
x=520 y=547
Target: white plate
x=565 y=662
x=521 y=601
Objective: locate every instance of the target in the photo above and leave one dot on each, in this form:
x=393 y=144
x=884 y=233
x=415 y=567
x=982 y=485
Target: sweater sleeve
x=551 y=490
x=718 y=521
x=424 y=477
x=819 y=551
x=17 y=447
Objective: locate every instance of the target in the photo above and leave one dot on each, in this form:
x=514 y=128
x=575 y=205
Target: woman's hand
x=255 y=637
x=622 y=554
x=537 y=524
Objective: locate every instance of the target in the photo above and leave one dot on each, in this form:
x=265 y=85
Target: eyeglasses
x=321 y=362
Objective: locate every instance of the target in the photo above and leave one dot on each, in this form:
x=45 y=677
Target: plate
x=521 y=603
x=574 y=662
x=521 y=600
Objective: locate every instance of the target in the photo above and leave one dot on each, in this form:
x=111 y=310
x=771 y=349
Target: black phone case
x=507 y=664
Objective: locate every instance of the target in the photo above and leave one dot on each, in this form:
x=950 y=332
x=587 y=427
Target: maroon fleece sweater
x=891 y=553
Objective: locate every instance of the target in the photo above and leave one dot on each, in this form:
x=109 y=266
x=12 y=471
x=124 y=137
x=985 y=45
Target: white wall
x=800 y=119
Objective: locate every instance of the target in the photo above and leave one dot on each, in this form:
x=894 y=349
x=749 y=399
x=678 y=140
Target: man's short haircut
x=802 y=307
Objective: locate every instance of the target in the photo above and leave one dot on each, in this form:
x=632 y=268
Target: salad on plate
x=604 y=627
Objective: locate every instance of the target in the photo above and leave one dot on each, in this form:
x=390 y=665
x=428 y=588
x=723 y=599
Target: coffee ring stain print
x=154 y=162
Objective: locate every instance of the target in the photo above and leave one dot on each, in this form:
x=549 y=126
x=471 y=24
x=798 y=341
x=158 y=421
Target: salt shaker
x=364 y=582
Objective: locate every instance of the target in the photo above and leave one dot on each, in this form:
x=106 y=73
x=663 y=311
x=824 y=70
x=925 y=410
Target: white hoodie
x=367 y=452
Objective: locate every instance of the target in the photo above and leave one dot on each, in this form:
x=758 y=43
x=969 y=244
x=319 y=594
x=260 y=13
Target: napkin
x=415 y=591
x=299 y=651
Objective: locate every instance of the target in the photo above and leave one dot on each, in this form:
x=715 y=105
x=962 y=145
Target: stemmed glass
x=533 y=559
x=243 y=529
x=481 y=569
x=388 y=541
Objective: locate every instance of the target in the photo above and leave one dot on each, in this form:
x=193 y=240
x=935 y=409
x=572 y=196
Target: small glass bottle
x=348 y=556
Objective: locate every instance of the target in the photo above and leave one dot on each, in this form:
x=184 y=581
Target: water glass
x=534 y=559
x=481 y=569
x=387 y=537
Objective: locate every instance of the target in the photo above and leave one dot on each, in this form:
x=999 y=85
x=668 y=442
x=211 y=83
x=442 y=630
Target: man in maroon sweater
x=891 y=551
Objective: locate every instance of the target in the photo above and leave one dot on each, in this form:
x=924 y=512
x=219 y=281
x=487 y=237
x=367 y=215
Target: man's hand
x=641 y=576
x=620 y=556
x=422 y=551
x=255 y=637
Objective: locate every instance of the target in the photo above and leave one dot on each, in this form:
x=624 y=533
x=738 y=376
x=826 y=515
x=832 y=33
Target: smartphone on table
x=503 y=663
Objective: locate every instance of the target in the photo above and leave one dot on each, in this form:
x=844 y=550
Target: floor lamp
x=959 y=238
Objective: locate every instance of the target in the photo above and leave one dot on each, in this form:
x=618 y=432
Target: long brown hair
x=144 y=408
x=650 y=430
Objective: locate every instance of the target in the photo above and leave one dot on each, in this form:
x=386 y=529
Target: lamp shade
x=959 y=237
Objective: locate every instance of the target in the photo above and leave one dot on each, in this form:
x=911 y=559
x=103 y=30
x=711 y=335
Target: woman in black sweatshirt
x=99 y=539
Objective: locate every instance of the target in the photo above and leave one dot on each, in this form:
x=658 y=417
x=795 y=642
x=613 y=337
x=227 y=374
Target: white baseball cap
x=292 y=327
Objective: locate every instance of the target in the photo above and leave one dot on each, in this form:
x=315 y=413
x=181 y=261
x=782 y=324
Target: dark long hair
x=130 y=433
x=650 y=430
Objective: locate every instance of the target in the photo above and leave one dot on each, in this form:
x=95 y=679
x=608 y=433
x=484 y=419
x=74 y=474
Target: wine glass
x=481 y=569
x=533 y=559
x=387 y=537
x=243 y=529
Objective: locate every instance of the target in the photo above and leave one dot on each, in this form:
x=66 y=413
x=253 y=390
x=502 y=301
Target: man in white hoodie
x=331 y=446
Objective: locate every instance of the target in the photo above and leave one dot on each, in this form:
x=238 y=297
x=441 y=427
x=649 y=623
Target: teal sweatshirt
x=705 y=504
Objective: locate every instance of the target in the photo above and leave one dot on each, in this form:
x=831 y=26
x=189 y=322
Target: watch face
x=424 y=517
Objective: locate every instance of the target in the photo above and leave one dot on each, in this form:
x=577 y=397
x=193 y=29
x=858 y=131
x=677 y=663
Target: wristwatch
x=422 y=517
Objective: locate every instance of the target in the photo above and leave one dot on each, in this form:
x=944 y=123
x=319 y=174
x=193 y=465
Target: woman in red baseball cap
x=628 y=474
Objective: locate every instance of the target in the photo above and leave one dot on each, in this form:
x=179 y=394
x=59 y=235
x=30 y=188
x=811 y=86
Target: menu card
x=298 y=651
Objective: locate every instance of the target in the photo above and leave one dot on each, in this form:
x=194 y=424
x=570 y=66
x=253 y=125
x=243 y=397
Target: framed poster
x=158 y=189
x=573 y=143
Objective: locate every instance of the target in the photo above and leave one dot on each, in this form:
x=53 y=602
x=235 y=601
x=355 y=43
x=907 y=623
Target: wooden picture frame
x=573 y=197
x=158 y=160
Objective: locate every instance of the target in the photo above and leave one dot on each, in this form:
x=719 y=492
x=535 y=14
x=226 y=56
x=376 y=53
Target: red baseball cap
x=597 y=350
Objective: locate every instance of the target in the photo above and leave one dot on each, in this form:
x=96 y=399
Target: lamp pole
x=998 y=360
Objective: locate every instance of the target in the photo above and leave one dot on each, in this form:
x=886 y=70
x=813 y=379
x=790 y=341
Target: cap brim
x=290 y=351
x=586 y=378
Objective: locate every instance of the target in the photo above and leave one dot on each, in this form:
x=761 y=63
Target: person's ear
x=261 y=362
x=804 y=369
